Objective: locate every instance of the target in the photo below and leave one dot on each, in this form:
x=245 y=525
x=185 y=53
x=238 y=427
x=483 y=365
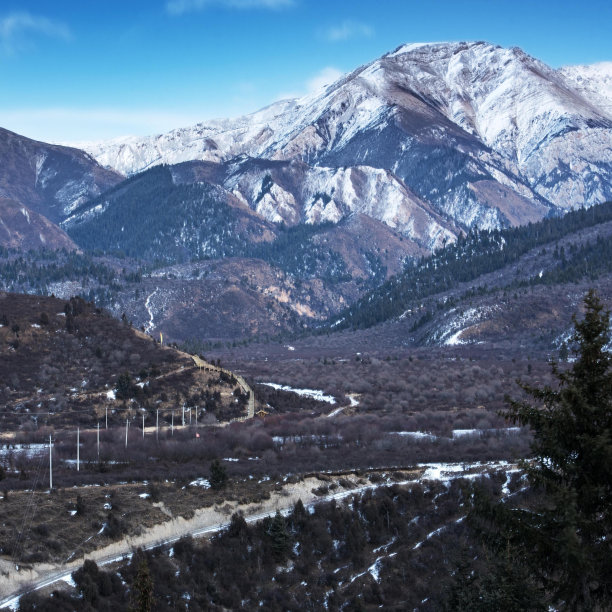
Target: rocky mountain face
x=329 y=194
x=22 y=228
x=44 y=183
x=430 y=139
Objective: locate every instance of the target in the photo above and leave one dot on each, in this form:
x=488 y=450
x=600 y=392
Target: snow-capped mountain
x=454 y=134
x=49 y=179
x=594 y=82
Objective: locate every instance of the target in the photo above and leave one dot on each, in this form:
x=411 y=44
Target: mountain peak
x=488 y=114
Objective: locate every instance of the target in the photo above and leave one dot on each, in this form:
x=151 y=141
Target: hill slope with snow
x=481 y=135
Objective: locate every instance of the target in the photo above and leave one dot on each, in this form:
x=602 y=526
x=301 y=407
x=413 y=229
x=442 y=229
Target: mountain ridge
x=461 y=135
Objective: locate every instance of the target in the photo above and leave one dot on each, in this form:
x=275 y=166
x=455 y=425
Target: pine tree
x=279 y=534
x=142 y=594
x=564 y=534
x=123 y=386
x=218 y=475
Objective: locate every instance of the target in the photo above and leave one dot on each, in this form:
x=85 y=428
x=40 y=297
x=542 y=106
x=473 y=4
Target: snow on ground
x=150 y=325
x=209 y=520
x=200 y=482
x=445 y=472
x=111 y=394
x=505 y=488
x=415 y=435
x=454 y=340
x=29 y=450
x=458 y=323
x=462 y=433
x=313 y=393
x=353 y=402
x=433 y=533
x=456 y=433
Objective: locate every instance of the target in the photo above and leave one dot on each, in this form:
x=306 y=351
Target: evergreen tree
x=281 y=539
x=218 y=475
x=123 y=387
x=564 y=534
x=142 y=593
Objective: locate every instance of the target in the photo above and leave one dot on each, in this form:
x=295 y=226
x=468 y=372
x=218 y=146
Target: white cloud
x=325 y=77
x=16 y=28
x=315 y=84
x=348 y=29
x=178 y=7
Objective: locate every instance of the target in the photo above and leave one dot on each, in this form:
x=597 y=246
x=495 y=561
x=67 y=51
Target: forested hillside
x=150 y=217
x=481 y=253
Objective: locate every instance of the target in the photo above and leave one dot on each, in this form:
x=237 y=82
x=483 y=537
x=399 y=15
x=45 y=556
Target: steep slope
x=22 y=228
x=463 y=293
x=62 y=360
x=151 y=217
x=49 y=179
x=177 y=213
x=292 y=192
x=593 y=81
x=489 y=137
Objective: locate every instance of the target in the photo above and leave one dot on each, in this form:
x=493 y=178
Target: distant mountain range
x=430 y=139
x=331 y=194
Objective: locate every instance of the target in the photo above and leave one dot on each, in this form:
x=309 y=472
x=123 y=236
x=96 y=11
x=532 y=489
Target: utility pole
x=196 y=415
x=127 y=422
x=190 y=416
x=183 y=417
x=143 y=426
x=98 y=442
x=157 y=425
x=50 y=464
x=106 y=411
x=172 y=423
x=78 y=453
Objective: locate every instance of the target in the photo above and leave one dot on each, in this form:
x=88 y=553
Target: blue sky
x=77 y=70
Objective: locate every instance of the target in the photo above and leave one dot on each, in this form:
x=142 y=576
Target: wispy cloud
x=178 y=7
x=314 y=84
x=348 y=29
x=323 y=78
x=17 y=30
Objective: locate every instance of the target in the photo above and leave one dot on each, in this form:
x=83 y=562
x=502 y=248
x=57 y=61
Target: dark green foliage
x=35 y=270
x=124 y=388
x=294 y=252
x=150 y=217
x=94 y=585
x=81 y=507
x=563 y=534
x=506 y=584
x=482 y=252
x=218 y=475
x=142 y=589
x=280 y=539
x=303 y=561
